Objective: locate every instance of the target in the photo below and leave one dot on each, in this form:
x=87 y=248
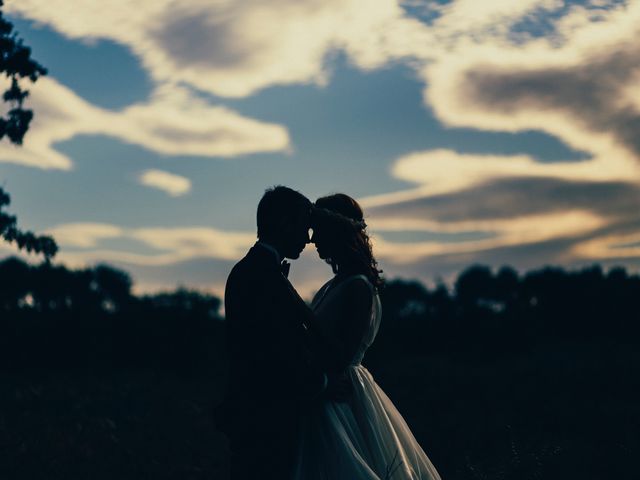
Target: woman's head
x=341 y=239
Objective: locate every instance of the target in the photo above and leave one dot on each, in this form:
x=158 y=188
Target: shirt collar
x=271 y=248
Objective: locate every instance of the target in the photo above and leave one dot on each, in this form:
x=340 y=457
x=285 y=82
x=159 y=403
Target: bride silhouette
x=364 y=438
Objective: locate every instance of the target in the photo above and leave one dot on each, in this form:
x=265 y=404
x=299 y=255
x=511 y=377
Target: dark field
x=493 y=384
x=556 y=413
x=117 y=425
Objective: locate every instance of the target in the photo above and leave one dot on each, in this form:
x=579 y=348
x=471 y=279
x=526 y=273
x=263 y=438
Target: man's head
x=284 y=219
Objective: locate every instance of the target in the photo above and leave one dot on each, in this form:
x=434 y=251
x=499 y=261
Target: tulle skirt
x=363 y=439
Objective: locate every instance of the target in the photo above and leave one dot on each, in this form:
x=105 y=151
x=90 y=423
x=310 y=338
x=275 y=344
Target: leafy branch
x=25 y=240
x=16 y=64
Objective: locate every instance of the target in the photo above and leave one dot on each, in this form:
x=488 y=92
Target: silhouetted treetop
x=185 y=300
x=55 y=288
x=25 y=240
x=16 y=64
x=488 y=311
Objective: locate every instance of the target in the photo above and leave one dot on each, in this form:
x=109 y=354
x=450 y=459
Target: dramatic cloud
x=582 y=91
x=444 y=171
x=174 y=185
x=172 y=122
x=513 y=215
x=80 y=244
x=618 y=247
x=234 y=48
x=514 y=231
x=482 y=21
x=509 y=198
x=577 y=83
x=569 y=70
x=84 y=235
x=197 y=241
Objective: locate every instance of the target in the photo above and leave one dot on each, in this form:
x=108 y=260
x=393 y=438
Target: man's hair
x=279 y=204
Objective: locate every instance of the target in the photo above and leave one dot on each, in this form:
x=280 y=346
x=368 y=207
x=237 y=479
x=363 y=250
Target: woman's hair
x=341 y=219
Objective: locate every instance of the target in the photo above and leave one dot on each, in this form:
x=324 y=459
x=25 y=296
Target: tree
x=25 y=240
x=16 y=64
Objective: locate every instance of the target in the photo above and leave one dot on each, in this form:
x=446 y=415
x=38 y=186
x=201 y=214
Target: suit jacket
x=271 y=374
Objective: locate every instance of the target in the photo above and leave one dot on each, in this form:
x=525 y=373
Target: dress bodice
x=352 y=327
x=364 y=438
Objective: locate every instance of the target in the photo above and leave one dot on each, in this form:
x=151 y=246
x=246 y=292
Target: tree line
x=55 y=316
x=497 y=312
x=484 y=313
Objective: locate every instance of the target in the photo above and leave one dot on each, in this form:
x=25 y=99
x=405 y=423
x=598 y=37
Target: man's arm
x=318 y=353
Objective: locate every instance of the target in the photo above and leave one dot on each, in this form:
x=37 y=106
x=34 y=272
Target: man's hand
x=339 y=387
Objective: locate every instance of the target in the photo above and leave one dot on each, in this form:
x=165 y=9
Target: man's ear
x=283 y=226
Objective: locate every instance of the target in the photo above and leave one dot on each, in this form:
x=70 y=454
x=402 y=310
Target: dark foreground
x=506 y=378
x=562 y=412
x=116 y=426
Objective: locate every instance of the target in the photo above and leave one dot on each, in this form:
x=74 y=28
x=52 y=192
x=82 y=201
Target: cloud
x=174 y=185
x=197 y=241
x=237 y=48
x=232 y=48
x=579 y=84
x=444 y=171
x=172 y=122
x=513 y=231
x=587 y=103
x=84 y=235
x=482 y=68
x=478 y=72
x=80 y=244
x=506 y=199
x=616 y=247
x=505 y=213
x=482 y=21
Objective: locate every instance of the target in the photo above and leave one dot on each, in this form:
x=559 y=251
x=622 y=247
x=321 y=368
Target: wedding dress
x=364 y=438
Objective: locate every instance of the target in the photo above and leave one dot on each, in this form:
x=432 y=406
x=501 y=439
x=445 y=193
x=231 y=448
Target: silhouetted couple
x=299 y=403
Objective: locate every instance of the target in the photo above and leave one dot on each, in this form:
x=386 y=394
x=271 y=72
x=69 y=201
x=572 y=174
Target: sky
x=497 y=132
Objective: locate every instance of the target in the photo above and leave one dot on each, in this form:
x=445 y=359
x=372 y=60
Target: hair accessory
x=324 y=215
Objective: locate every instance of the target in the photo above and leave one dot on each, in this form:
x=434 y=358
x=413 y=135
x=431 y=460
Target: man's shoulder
x=256 y=282
x=254 y=267
x=240 y=270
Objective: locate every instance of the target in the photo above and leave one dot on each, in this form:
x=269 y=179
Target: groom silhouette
x=271 y=375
